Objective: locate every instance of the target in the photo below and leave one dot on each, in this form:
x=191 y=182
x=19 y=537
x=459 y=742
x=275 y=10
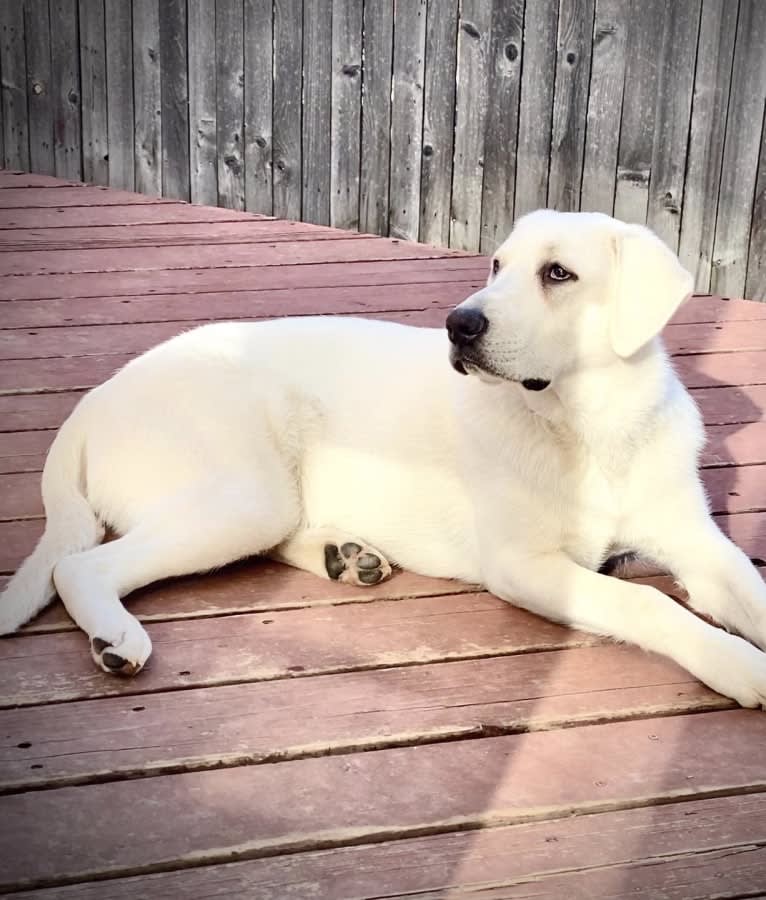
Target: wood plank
x=230 y=110
x=674 y=851
x=79 y=196
x=15 y=117
x=535 y=105
x=634 y=160
x=675 y=81
x=259 y=56
x=126 y=259
x=407 y=118
x=42 y=668
x=149 y=212
x=317 y=77
x=240 y=231
x=570 y=103
x=375 y=152
x=718 y=369
x=286 y=124
x=438 y=121
x=119 y=93
x=440 y=788
x=243 y=304
x=202 y=102
x=94 y=117
x=605 y=97
x=147 y=93
x=37 y=37
x=346 y=111
x=710 y=102
x=755 y=283
x=24 y=451
x=176 y=166
x=471 y=100
x=65 y=81
x=733 y=405
x=719 y=309
x=501 y=132
x=741 y=148
x=256 y=723
x=181 y=281
x=36 y=411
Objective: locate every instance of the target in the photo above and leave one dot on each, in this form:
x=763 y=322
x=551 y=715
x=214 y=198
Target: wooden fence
x=438 y=120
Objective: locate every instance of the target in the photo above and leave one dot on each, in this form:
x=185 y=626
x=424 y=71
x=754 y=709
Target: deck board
x=292 y=737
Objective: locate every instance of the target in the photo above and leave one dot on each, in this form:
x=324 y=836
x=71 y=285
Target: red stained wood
x=186 y=281
x=112 y=216
x=246 y=723
x=305 y=803
x=40 y=668
x=713 y=308
x=243 y=231
x=223 y=256
x=23 y=451
x=673 y=851
x=80 y=195
x=717 y=369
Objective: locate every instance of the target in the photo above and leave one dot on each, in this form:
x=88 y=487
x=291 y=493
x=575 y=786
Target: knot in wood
x=511 y=51
x=72 y=97
x=428 y=150
x=351 y=70
x=471 y=30
x=37 y=87
x=571 y=58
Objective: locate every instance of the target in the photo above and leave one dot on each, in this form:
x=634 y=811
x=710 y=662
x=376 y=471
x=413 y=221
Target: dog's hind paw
x=124 y=656
x=355 y=563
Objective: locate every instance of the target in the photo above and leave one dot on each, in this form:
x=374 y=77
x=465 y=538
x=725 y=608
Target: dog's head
x=566 y=292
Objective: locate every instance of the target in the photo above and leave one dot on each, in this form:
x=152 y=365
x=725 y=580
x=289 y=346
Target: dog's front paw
x=740 y=673
x=354 y=563
x=123 y=655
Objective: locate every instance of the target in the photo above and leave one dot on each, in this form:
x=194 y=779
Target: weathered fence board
x=442 y=120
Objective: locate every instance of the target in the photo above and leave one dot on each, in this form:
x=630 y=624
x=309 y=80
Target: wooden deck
x=292 y=738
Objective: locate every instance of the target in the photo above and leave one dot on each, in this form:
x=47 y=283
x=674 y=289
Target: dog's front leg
x=556 y=587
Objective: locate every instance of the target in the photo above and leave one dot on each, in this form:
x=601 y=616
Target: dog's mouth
x=466 y=365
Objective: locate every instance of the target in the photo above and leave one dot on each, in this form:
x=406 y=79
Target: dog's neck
x=579 y=407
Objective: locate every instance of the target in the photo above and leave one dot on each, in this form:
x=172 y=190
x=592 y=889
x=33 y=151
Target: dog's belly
x=416 y=513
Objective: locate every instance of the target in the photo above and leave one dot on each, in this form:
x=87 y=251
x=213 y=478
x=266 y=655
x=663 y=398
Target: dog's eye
x=556 y=272
x=495 y=266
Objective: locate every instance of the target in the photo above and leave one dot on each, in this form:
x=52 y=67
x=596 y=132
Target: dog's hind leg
x=333 y=554
x=206 y=527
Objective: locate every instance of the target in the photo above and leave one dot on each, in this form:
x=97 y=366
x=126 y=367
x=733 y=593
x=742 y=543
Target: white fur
x=239 y=438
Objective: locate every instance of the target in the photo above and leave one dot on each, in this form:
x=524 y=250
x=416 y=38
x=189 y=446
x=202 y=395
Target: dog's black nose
x=465 y=325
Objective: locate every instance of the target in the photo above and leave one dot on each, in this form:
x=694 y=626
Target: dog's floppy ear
x=650 y=286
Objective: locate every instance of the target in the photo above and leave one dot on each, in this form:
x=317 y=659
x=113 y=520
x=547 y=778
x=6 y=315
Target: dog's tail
x=71 y=526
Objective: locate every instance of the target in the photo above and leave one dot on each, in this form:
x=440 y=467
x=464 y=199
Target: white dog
x=338 y=445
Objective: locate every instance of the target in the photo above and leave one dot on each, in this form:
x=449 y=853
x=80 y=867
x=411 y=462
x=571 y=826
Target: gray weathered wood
x=744 y=135
x=438 y=121
x=470 y=116
x=119 y=93
x=505 y=64
x=570 y=103
x=148 y=96
x=287 y=155
x=175 y=100
x=407 y=118
x=65 y=78
x=634 y=161
x=14 y=87
x=604 y=106
x=703 y=168
x=317 y=99
x=755 y=286
x=535 y=105
x=346 y=113
x=376 y=117
x=673 y=110
x=95 y=150
x=230 y=78
x=259 y=54
x=37 y=36
x=202 y=99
